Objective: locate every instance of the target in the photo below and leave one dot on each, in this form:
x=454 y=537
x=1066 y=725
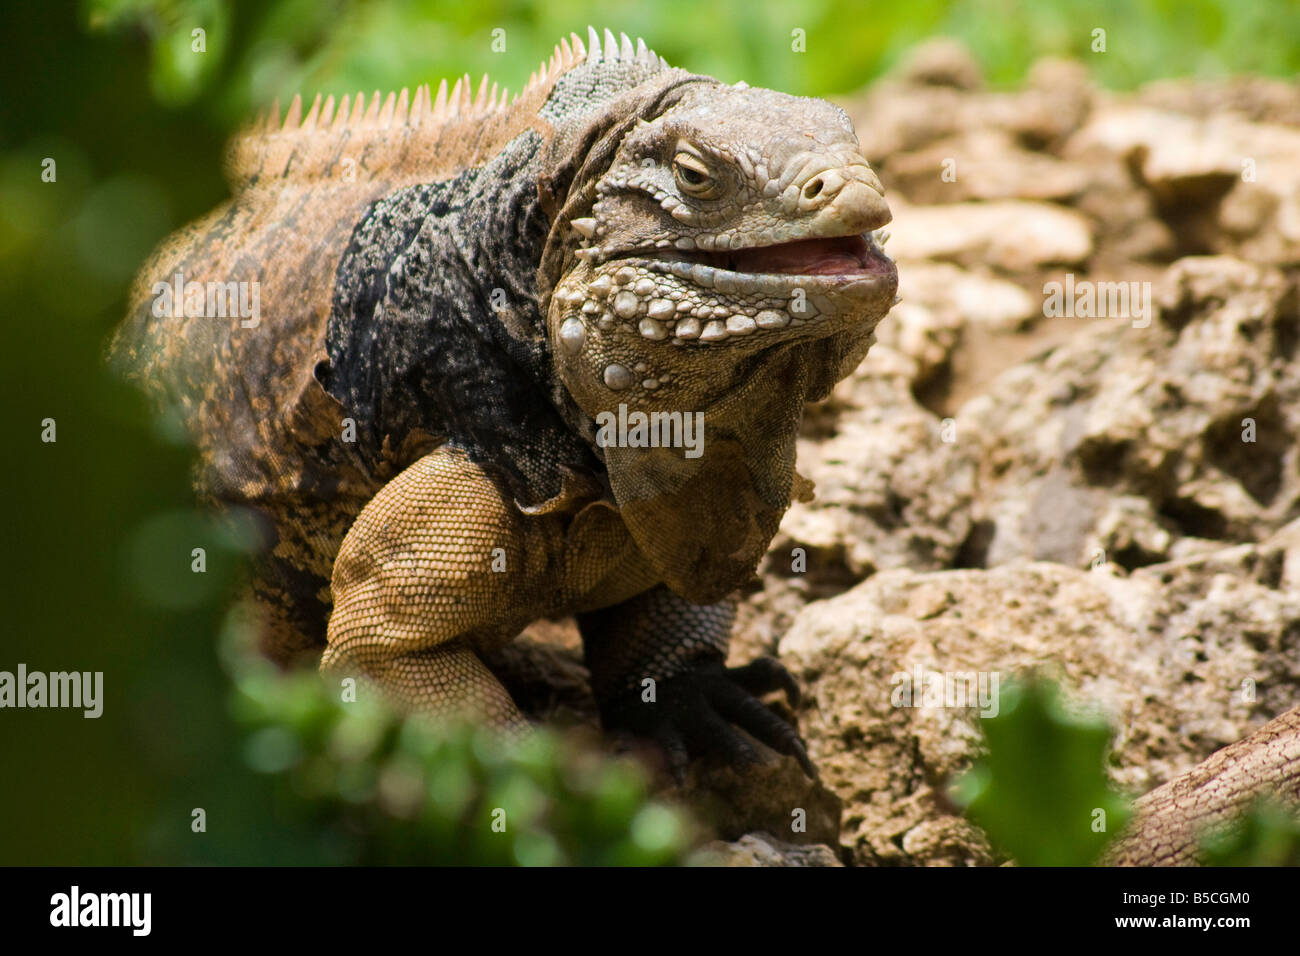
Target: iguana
x=456 y=300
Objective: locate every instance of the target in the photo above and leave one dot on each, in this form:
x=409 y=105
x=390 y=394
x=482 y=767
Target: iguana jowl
x=451 y=293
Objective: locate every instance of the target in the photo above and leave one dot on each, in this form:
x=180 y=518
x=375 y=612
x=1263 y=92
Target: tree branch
x=1172 y=819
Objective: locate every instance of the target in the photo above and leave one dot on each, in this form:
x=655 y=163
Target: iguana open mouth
x=845 y=257
x=842 y=256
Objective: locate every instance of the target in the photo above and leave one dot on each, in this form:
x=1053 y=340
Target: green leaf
x=1041 y=793
x=1266 y=835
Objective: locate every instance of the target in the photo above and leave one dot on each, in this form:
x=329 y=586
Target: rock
x=907 y=111
x=1010 y=235
x=1179 y=168
x=890 y=491
x=1178 y=155
x=983 y=164
x=1226 y=185
x=1183 y=657
x=1197 y=415
x=941 y=62
x=1260 y=99
x=775 y=796
x=1057 y=99
x=1125 y=220
x=954 y=297
x=762 y=849
x=917 y=340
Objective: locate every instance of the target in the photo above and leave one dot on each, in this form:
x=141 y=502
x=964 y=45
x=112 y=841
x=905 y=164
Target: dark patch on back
x=415 y=341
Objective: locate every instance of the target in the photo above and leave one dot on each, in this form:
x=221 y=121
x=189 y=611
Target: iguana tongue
x=846 y=255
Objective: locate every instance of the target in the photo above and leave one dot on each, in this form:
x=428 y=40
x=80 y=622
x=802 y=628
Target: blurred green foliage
x=382 y=789
x=1266 y=835
x=85 y=191
x=1041 y=793
x=333 y=46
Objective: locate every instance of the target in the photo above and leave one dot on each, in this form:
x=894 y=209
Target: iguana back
x=252 y=390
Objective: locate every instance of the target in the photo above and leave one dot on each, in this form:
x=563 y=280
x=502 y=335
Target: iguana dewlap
x=456 y=300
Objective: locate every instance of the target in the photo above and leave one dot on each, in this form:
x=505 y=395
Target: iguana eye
x=693 y=177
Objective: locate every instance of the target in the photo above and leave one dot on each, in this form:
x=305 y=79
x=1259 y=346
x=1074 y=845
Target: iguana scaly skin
x=451 y=295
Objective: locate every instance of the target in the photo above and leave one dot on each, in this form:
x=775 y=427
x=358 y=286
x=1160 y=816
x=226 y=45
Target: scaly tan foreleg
x=440 y=561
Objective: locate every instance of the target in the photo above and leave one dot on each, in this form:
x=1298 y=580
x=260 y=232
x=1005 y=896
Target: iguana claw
x=696 y=713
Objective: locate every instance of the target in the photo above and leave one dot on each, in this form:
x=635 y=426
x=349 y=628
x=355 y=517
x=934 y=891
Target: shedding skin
x=455 y=289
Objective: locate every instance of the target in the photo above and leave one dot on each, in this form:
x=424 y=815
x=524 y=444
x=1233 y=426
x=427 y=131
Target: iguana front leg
x=438 y=562
x=697 y=699
x=415 y=593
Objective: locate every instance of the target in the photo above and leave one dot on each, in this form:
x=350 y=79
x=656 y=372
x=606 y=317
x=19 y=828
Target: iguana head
x=710 y=256
x=737 y=221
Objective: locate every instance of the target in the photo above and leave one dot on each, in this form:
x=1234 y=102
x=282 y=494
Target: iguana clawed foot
x=696 y=713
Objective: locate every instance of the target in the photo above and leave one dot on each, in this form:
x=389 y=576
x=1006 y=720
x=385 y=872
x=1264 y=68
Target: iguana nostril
x=813 y=188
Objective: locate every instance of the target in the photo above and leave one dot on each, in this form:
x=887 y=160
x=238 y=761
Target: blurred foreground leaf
x=1267 y=835
x=388 y=788
x=1041 y=793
